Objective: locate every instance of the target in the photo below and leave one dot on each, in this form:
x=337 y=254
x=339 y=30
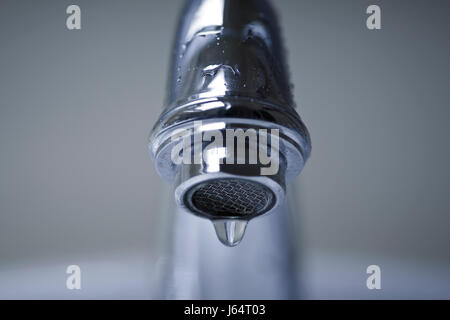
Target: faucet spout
x=229 y=138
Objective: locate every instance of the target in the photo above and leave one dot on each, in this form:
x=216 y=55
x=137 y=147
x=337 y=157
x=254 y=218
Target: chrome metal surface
x=229 y=72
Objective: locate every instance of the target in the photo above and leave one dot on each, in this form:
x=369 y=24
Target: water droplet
x=211 y=30
x=230 y=231
x=236 y=70
x=211 y=70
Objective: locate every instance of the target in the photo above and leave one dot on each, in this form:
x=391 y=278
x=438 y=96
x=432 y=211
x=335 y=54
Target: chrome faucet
x=228 y=84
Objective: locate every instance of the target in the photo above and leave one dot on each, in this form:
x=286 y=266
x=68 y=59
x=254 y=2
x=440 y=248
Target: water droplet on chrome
x=230 y=231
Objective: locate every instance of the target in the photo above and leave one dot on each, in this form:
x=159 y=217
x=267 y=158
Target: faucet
x=229 y=139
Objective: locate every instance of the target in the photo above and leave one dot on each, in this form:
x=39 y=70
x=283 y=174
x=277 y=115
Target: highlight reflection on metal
x=228 y=71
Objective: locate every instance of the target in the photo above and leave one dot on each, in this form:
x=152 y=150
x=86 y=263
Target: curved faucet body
x=240 y=40
x=229 y=83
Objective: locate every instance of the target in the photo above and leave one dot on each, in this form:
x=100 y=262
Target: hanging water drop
x=230 y=231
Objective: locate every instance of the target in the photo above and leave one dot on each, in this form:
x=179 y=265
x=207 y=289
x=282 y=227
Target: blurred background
x=77 y=185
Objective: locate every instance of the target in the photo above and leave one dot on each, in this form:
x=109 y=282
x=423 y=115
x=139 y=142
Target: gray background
x=77 y=185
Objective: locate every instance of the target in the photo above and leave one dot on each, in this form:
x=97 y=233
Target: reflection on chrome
x=228 y=71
